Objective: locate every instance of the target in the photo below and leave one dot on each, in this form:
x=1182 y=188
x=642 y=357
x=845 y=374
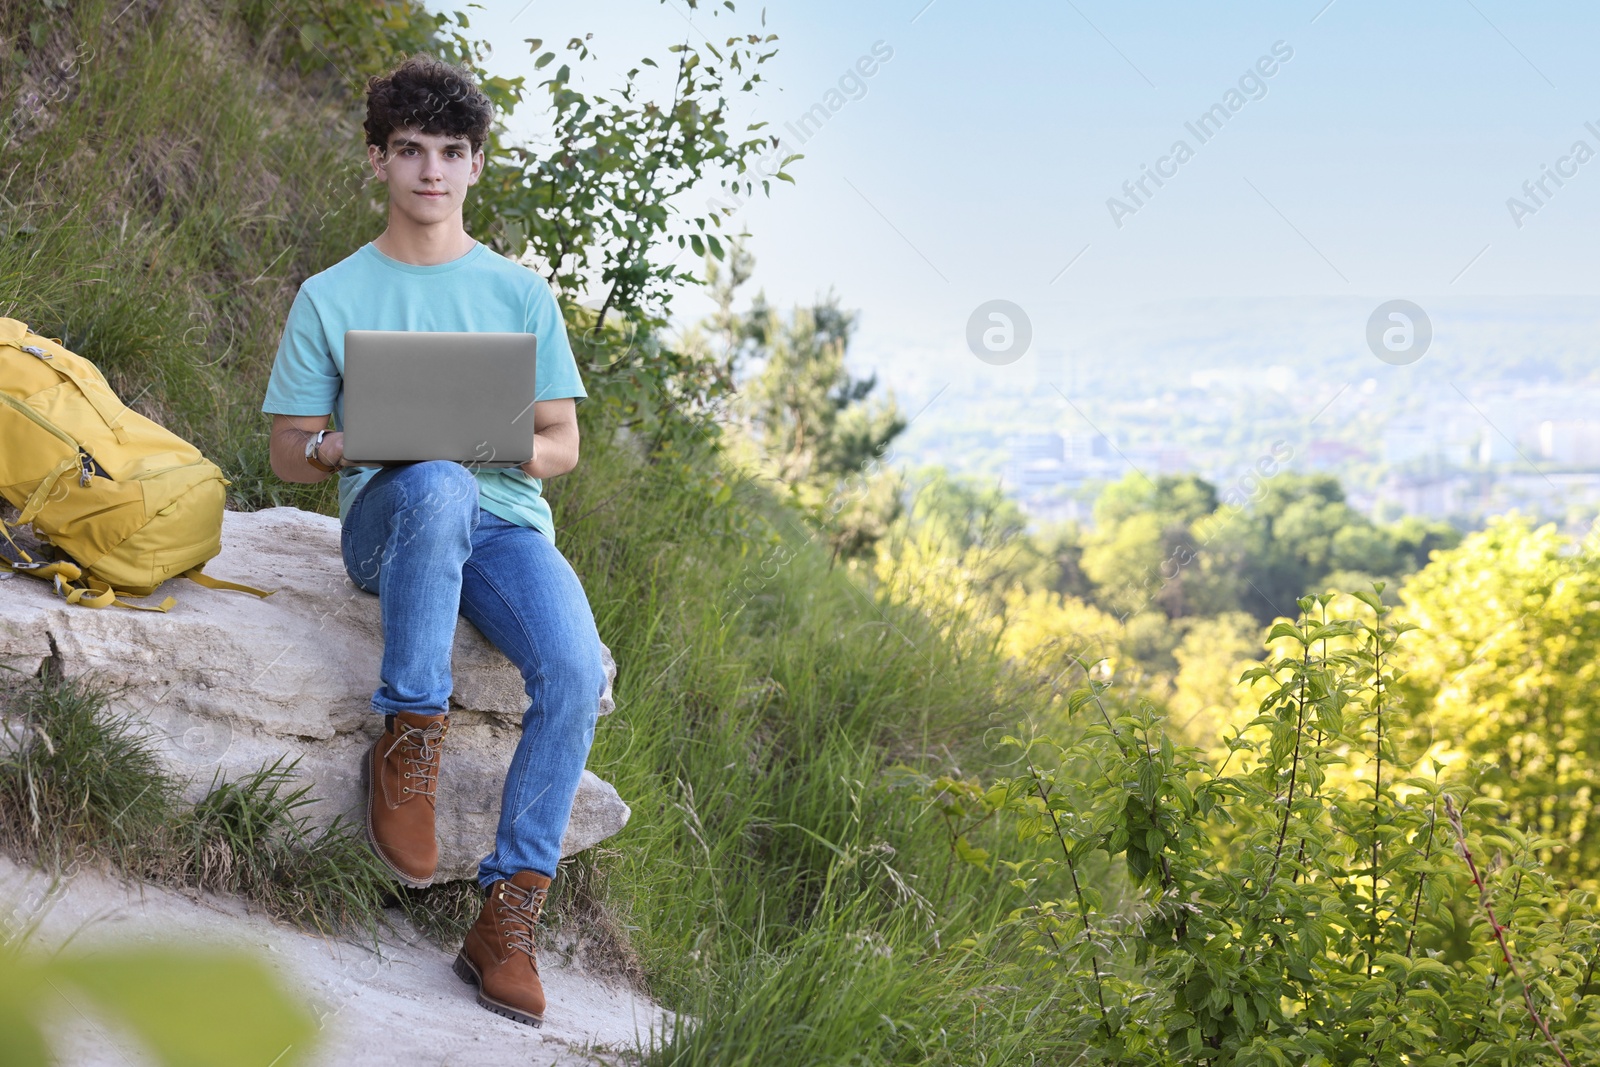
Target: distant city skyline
x=1165 y=190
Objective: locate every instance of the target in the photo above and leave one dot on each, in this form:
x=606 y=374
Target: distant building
x=1407 y=441
x=1034 y=462
x=1547 y=495
x=1432 y=495
x=1323 y=455
x=1570 y=442
x=1027 y=447
x=1084 y=450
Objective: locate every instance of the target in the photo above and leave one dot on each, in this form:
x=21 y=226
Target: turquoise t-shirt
x=481 y=291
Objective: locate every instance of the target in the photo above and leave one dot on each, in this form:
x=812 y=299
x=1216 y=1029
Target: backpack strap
x=87 y=591
x=68 y=580
x=41 y=493
x=91 y=383
x=195 y=576
x=5 y=531
x=95 y=593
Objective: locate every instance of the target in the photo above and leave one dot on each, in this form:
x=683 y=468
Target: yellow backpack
x=126 y=501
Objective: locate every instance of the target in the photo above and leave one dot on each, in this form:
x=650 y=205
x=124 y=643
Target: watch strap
x=314 y=458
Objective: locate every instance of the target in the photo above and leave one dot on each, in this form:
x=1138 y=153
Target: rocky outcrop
x=228 y=682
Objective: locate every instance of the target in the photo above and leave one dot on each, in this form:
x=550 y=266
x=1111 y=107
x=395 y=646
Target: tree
x=819 y=431
x=1148 y=551
x=958 y=553
x=1504 y=670
x=810 y=412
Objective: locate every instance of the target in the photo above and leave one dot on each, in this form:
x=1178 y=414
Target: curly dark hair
x=430 y=95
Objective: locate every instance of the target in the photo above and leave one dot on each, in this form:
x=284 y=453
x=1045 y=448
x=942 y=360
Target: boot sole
x=372 y=840
x=469 y=974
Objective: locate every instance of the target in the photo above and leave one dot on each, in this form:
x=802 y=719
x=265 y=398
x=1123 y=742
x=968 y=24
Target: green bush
x=1310 y=900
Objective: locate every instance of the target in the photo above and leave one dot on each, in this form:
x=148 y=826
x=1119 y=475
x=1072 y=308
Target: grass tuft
x=442 y=912
x=75 y=778
x=80 y=782
x=249 y=836
x=589 y=919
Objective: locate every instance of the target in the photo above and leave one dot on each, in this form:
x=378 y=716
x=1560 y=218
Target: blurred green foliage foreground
x=191 y=1007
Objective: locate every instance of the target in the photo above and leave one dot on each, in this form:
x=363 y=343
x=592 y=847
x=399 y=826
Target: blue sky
x=978 y=164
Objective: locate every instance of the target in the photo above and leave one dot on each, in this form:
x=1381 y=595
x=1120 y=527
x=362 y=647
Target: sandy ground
x=401 y=1003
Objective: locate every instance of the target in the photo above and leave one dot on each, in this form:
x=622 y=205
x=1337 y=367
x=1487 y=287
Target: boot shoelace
x=522 y=909
x=422 y=755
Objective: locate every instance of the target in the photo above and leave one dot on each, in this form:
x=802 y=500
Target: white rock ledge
x=228 y=682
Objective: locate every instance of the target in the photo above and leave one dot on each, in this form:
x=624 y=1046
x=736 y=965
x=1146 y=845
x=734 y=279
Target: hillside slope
x=776 y=881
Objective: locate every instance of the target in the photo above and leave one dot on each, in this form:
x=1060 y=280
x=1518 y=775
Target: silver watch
x=314 y=457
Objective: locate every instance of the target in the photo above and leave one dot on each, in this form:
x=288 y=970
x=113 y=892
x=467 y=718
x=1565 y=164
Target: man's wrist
x=314 y=456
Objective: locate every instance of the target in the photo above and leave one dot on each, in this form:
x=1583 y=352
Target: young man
x=435 y=539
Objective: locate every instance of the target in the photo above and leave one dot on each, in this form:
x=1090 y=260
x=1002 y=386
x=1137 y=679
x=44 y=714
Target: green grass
x=160 y=213
x=74 y=776
x=249 y=836
x=80 y=782
x=778 y=886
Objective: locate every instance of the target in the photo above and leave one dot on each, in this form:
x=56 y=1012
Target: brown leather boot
x=498 y=954
x=402 y=773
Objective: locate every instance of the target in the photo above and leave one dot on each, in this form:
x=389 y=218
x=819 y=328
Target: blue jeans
x=416 y=536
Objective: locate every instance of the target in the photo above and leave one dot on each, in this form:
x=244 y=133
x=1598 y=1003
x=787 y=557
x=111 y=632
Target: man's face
x=427 y=173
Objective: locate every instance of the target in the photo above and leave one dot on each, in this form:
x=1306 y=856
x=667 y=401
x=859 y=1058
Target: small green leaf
x=1149 y=782
x=1286 y=629
x=968 y=854
x=1429 y=966
x=194 y=1007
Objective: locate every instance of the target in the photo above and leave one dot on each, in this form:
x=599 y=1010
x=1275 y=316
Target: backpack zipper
x=87 y=467
x=12 y=401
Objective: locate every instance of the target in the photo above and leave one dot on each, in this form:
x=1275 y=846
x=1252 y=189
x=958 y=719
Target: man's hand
x=555 y=443
x=332 y=448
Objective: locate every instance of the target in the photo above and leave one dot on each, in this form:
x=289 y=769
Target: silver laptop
x=411 y=396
